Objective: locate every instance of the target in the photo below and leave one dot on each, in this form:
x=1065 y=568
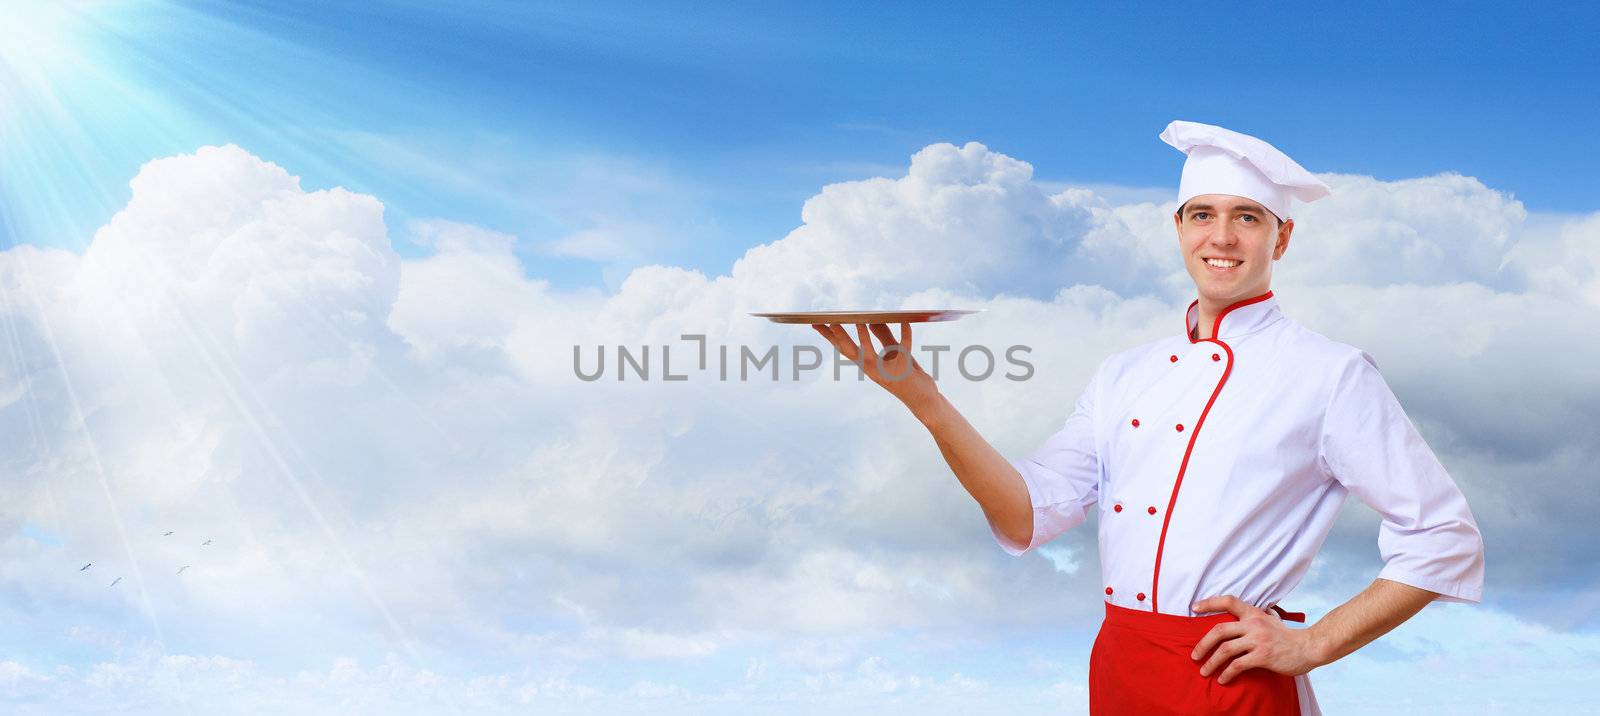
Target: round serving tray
x=866 y=316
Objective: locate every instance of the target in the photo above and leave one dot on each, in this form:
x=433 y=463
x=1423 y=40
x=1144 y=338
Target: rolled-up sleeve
x=1428 y=537
x=1063 y=476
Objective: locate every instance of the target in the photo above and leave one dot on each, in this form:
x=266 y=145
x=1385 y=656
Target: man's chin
x=1224 y=292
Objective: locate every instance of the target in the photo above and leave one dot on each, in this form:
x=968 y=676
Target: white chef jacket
x=1219 y=465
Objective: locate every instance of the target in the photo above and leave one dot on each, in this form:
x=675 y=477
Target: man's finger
x=1217 y=635
x=1237 y=667
x=833 y=340
x=869 y=352
x=841 y=340
x=885 y=337
x=905 y=337
x=897 y=361
x=1229 y=650
x=1226 y=603
x=823 y=330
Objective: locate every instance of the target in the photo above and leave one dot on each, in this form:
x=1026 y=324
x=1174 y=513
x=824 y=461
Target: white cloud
x=1468 y=661
x=1431 y=230
x=399 y=451
x=962 y=219
x=609 y=242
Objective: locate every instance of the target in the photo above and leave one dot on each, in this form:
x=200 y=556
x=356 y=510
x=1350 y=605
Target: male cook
x=1218 y=459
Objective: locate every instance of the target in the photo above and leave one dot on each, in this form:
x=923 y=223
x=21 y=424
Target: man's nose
x=1224 y=234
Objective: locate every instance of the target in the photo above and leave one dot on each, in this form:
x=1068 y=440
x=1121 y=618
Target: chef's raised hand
x=894 y=367
x=1259 y=639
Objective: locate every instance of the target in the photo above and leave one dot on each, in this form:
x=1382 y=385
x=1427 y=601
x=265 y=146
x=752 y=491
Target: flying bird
x=180 y=569
x=114 y=581
x=202 y=544
x=80 y=569
x=168 y=534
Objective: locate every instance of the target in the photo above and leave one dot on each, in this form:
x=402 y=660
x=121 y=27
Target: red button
x=1139 y=596
x=1108 y=590
x=1136 y=422
x=1174 y=359
x=1152 y=509
x=1215 y=357
x=1116 y=508
x=1180 y=427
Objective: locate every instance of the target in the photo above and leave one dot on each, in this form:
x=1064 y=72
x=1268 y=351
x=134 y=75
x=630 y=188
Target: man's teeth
x=1222 y=263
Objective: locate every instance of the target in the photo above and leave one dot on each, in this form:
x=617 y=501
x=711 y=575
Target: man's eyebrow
x=1252 y=208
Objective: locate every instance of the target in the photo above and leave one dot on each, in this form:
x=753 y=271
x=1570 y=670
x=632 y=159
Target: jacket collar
x=1238 y=319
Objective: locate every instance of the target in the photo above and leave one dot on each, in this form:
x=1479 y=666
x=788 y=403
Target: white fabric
x=1222 y=161
x=1306 y=696
x=1300 y=421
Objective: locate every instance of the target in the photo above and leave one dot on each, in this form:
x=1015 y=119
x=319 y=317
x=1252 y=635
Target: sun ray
x=72 y=74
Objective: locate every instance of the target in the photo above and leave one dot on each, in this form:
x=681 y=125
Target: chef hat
x=1222 y=161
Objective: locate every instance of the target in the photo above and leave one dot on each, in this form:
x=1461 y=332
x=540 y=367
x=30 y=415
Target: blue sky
x=304 y=280
x=735 y=114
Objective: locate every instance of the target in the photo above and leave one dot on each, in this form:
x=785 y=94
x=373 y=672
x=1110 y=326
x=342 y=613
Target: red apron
x=1140 y=666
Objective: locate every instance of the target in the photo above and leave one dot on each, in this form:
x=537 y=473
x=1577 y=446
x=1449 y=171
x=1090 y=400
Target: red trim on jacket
x=1216 y=327
x=1161 y=543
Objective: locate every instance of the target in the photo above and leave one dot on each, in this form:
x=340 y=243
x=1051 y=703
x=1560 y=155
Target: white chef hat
x=1222 y=161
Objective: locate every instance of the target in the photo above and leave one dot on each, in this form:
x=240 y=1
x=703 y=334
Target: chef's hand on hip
x=894 y=367
x=1259 y=639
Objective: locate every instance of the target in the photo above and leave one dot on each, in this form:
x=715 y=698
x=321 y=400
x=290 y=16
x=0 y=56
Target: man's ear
x=1282 y=244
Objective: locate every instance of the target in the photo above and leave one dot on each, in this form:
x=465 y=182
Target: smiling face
x=1229 y=243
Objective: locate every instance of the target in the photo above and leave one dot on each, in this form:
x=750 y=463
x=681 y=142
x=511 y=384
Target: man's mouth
x=1222 y=263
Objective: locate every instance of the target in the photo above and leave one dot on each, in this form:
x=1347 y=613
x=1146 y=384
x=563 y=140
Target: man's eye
x=1199 y=215
x=1247 y=216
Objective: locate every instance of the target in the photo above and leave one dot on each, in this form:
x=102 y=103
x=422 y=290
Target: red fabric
x=1140 y=666
x=1289 y=616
